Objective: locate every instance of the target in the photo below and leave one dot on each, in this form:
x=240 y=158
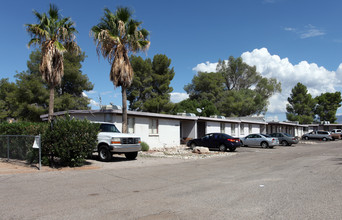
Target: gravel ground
x=149 y=158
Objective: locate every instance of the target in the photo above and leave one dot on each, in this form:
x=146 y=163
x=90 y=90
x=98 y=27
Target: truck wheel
x=104 y=153
x=131 y=155
x=325 y=139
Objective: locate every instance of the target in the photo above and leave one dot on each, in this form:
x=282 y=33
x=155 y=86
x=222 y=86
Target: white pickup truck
x=111 y=141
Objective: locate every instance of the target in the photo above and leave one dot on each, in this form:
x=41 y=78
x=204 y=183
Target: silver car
x=262 y=140
x=321 y=135
x=285 y=139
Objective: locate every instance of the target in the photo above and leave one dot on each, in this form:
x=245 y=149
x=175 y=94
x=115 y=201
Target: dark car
x=217 y=141
x=285 y=139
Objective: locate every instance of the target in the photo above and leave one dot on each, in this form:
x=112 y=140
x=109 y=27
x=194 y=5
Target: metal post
x=7 y=148
x=40 y=152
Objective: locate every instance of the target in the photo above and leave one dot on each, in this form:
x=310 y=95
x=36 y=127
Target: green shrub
x=66 y=141
x=144 y=146
x=20 y=146
x=23 y=128
x=69 y=141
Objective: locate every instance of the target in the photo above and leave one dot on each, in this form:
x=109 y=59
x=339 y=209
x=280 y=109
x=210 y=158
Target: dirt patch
x=17 y=166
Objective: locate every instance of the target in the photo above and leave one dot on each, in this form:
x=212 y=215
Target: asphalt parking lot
x=301 y=182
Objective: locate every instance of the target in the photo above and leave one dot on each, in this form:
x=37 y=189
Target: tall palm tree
x=54 y=35
x=115 y=36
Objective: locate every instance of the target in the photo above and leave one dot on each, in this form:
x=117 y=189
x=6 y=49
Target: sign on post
x=35 y=143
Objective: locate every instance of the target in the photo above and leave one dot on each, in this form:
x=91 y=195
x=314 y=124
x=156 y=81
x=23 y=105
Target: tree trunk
x=124 y=109
x=51 y=102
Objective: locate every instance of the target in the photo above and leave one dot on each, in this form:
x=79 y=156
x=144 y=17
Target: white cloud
x=92 y=92
x=272 y=118
x=311 y=31
x=316 y=78
x=178 y=96
x=289 y=29
x=205 y=67
x=306 y=32
x=106 y=93
x=94 y=103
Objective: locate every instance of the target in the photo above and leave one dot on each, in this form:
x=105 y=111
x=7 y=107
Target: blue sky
x=291 y=40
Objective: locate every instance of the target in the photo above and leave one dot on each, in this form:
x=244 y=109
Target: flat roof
x=119 y=112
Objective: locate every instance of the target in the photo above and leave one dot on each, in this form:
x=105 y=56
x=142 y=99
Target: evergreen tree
x=150 y=90
x=327 y=105
x=7 y=101
x=301 y=105
x=139 y=91
x=162 y=74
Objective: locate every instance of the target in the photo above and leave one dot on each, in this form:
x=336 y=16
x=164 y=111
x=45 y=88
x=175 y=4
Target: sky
x=290 y=40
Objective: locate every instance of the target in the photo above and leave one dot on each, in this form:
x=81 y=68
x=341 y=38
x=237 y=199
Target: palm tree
x=115 y=36
x=54 y=35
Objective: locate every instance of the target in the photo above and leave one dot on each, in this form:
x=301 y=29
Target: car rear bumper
x=274 y=143
x=293 y=141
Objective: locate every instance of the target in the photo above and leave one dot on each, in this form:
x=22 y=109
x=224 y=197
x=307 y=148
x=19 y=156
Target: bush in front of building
x=144 y=146
x=68 y=141
x=65 y=142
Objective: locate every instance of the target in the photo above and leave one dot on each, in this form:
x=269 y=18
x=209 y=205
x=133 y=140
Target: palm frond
x=124 y=14
x=53 y=12
x=33 y=41
x=59 y=46
x=114 y=36
x=38 y=15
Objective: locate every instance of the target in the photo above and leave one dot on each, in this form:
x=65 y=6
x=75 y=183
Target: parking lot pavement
x=302 y=182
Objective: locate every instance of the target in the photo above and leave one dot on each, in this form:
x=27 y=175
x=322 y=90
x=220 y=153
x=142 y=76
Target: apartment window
x=222 y=127
x=131 y=124
x=153 y=126
x=242 y=129
x=250 y=128
x=232 y=127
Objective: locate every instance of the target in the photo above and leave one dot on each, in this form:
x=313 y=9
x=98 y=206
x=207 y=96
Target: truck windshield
x=109 y=128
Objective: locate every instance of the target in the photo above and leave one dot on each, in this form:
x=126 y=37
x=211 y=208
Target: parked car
x=285 y=139
x=336 y=134
x=217 y=141
x=322 y=135
x=111 y=141
x=262 y=140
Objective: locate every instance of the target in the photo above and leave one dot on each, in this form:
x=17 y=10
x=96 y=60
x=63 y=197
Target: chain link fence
x=21 y=147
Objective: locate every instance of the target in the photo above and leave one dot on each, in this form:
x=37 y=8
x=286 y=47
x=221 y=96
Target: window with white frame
x=250 y=128
x=153 y=126
x=131 y=124
x=242 y=129
x=232 y=127
x=222 y=127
